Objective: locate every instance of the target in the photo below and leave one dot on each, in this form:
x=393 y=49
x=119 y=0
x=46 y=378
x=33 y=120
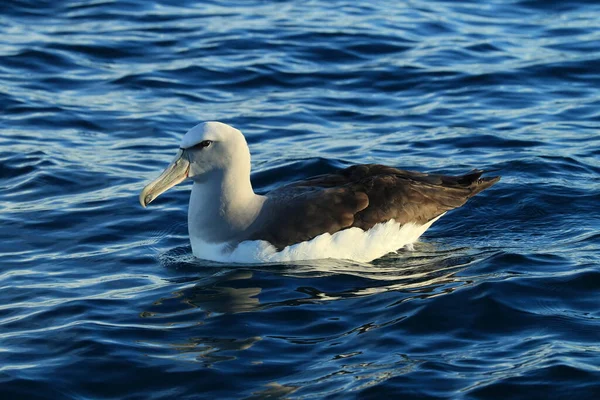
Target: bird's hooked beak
x=175 y=173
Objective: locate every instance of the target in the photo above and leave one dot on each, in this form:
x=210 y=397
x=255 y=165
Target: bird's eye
x=203 y=144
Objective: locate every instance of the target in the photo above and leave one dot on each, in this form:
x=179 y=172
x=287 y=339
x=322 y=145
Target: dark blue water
x=100 y=298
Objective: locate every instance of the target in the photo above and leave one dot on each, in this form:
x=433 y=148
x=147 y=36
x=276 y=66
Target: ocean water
x=101 y=299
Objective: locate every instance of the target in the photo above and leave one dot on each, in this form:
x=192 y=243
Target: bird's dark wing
x=297 y=214
x=415 y=197
x=361 y=196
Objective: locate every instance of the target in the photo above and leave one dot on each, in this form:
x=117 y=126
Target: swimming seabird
x=224 y=211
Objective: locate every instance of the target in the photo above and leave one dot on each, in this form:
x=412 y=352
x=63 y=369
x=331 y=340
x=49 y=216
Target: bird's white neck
x=222 y=207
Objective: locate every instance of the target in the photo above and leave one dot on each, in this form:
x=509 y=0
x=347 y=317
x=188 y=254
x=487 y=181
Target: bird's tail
x=475 y=182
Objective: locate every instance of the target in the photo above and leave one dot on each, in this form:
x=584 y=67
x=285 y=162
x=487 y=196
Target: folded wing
x=361 y=196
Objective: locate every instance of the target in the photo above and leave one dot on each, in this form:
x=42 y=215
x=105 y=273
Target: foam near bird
x=360 y=213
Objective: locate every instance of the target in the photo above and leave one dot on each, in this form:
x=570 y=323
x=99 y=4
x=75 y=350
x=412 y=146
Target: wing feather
x=361 y=196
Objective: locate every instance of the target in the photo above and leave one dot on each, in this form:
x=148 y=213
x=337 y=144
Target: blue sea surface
x=100 y=298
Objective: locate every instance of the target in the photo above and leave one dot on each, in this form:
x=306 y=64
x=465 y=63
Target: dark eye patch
x=203 y=144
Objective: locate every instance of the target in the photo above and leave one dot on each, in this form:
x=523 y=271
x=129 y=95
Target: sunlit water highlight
x=100 y=298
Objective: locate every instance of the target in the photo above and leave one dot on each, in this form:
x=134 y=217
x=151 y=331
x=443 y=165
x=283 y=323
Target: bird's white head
x=209 y=147
x=214 y=146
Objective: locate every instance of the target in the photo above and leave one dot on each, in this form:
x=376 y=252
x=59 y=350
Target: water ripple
x=499 y=298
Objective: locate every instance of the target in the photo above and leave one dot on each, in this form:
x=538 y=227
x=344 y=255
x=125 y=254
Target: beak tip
x=144 y=199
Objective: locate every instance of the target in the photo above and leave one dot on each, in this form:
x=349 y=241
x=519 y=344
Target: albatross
x=359 y=213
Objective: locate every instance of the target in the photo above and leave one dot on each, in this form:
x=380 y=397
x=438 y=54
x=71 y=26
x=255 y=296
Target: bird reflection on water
x=219 y=294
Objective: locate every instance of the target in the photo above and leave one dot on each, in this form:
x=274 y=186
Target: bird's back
x=362 y=196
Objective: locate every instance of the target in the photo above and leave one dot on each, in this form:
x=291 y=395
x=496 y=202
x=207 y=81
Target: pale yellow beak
x=175 y=173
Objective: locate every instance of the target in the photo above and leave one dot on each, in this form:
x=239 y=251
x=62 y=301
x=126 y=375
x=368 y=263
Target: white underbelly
x=349 y=244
